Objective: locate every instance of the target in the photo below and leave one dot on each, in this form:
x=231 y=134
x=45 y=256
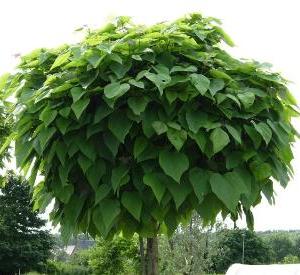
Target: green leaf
x=219 y=139
x=264 y=130
x=138 y=104
x=120 y=70
x=102 y=112
x=62 y=124
x=177 y=138
x=79 y=106
x=48 y=115
x=95 y=173
x=110 y=210
x=234 y=132
x=133 y=203
x=111 y=142
x=135 y=83
x=139 y=147
x=45 y=135
x=119 y=125
x=64 y=112
x=224 y=191
x=157 y=183
x=159 y=127
x=174 y=164
x=61 y=59
x=114 y=90
x=200 y=139
x=190 y=68
x=261 y=170
x=201 y=82
x=101 y=192
x=61 y=152
x=87 y=149
x=94 y=57
x=179 y=192
x=117 y=175
x=63 y=192
x=159 y=81
x=22 y=153
x=199 y=179
x=196 y=119
x=247 y=99
x=77 y=93
x=216 y=85
x=84 y=162
x=254 y=135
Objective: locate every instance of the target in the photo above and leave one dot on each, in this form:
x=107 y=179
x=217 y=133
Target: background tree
x=229 y=247
x=114 y=257
x=23 y=244
x=135 y=127
x=187 y=251
x=281 y=246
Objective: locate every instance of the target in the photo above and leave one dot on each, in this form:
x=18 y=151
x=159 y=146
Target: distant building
x=79 y=245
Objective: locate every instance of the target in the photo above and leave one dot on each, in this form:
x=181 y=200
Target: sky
x=265 y=30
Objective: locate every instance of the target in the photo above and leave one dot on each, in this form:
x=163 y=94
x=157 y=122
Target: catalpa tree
x=135 y=127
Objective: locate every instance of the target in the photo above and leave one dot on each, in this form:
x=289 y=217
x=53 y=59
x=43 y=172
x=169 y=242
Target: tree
x=281 y=246
x=114 y=257
x=187 y=251
x=23 y=244
x=135 y=127
x=229 y=249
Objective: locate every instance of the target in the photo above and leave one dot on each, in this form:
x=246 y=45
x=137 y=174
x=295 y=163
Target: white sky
x=266 y=30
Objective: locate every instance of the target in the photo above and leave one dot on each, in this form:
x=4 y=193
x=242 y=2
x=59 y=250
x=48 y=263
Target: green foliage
x=117 y=256
x=65 y=268
x=281 y=247
x=131 y=110
x=187 y=251
x=5 y=125
x=24 y=244
x=229 y=246
x=290 y=259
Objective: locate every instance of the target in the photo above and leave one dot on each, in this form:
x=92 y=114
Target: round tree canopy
x=135 y=127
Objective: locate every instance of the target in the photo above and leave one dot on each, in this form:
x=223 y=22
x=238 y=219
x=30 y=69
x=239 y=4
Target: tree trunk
x=152 y=256
x=142 y=253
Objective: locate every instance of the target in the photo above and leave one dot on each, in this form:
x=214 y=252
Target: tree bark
x=142 y=253
x=152 y=256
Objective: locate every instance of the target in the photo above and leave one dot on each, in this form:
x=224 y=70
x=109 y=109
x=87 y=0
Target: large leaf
x=157 y=183
x=179 y=192
x=61 y=59
x=118 y=175
x=177 y=137
x=138 y=104
x=119 y=125
x=216 y=85
x=247 y=99
x=95 y=173
x=77 y=93
x=48 y=115
x=219 y=139
x=114 y=90
x=109 y=210
x=196 y=119
x=264 y=131
x=201 y=82
x=133 y=203
x=236 y=134
x=199 y=179
x=79 y=106
x=224 y=191
x=174 y=164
